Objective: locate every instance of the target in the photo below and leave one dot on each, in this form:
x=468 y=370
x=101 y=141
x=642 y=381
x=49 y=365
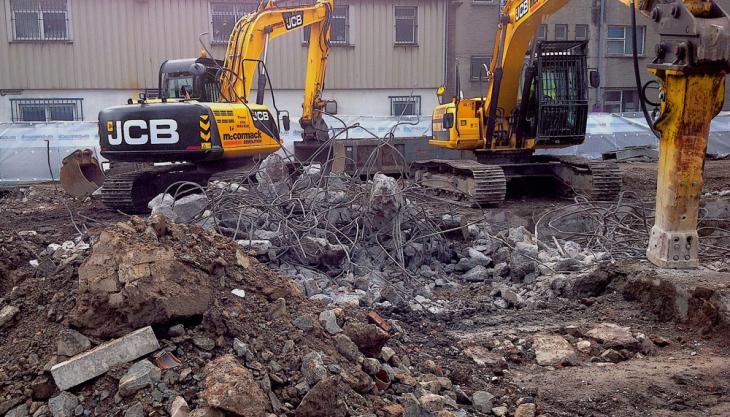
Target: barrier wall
x=26 y=149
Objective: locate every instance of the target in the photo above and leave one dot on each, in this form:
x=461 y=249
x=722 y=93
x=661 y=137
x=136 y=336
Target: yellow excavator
x=204 y=119
x=544 y=105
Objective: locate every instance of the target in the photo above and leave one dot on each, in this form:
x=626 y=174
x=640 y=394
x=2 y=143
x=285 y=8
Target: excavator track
x=130 y=192
x=480 y=184
x=598 y=180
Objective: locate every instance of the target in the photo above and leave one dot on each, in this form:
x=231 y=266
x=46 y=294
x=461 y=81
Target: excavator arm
x=520 y=21
x=250 y=39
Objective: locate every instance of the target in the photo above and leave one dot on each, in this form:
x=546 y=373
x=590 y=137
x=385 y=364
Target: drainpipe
x=447 y=5
x=601 y=58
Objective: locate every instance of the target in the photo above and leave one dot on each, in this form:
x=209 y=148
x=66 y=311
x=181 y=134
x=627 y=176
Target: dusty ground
x=688 y=377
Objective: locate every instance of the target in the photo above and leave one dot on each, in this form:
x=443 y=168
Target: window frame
x=348 y=28
x=626 y=40
x=13 y=30
x=471 y=66
x=396 y=18
x=621 y=101
x=237 y=15
x=587 y=31
x=555 y=31
x=416 y=100
x=17 y=106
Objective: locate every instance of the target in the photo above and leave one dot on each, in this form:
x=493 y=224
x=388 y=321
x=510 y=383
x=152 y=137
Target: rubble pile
x=352 y=242
x=231 y=338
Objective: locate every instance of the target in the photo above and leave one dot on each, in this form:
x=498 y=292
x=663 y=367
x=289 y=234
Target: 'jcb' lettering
x=261 y=116
x=522 y=10
x=138 y=132
x=293 y=20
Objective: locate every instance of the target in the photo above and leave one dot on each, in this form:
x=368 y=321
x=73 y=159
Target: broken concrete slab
x=99 y=360
x=71 y=343
x=553 y=350
x=614 y=336
x=63 y=404
x=261 y=247
x=190 y=206
x=141 y=375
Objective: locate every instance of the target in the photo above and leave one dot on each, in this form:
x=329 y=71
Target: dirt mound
x=137 y=276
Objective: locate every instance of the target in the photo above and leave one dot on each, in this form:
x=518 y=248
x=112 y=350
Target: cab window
x=177 y=86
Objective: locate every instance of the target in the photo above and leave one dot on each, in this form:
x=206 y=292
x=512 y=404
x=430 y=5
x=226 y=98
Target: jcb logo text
x=139 y=132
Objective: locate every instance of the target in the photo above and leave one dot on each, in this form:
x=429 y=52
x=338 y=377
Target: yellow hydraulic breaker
x=691 y=61
x=692 y=101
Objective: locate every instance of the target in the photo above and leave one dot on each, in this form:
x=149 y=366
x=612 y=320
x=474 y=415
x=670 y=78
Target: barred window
x=39 y=20
x=405 y=105
x=339 y=29
x=224 y=17
x=406 y=25
x=46 y=109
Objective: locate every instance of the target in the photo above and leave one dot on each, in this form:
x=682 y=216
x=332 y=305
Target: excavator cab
x=194 y=78
x=554 y=106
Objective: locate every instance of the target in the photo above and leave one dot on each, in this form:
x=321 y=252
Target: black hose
x=635 y=53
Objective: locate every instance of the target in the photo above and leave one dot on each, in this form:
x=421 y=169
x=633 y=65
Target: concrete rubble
x=93 y=363
x=318 y=294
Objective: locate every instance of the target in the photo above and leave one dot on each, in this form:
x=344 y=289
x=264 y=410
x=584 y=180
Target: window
x=406 y=26
x=339 y=29
x=542 y=33
x=619 y=101
x=561 y=32
x=46 y=109
x=39 y=20
x=224 y=17
x=619 y=40
x=476 y=67
x=405 y=105
x=581 y=32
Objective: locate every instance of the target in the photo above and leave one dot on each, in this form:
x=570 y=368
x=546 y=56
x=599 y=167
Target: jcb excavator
x=204 y=118
x=546 y=105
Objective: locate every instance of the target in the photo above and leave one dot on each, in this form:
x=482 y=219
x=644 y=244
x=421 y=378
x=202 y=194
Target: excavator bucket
x=81 y=173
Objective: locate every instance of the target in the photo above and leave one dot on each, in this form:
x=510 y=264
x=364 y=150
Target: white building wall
x=93 y=100
x=372 y=102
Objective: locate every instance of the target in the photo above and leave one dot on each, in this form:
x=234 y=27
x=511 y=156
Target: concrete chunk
x=93 y=363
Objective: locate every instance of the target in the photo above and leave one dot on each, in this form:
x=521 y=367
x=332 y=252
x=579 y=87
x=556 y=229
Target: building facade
x=67 y=59
x=606 y=24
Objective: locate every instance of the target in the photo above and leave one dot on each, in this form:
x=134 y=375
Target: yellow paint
x=248 y=40
x=525 y=18
x=692 y=101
